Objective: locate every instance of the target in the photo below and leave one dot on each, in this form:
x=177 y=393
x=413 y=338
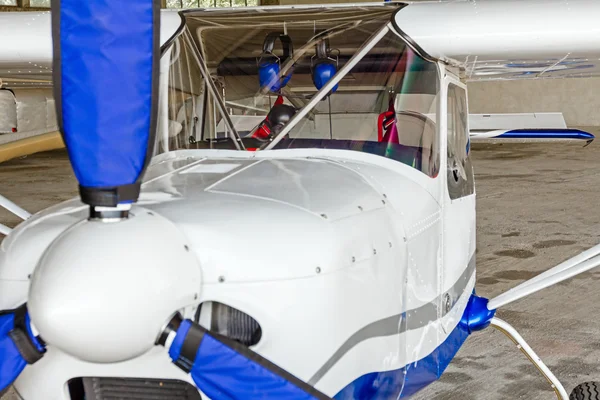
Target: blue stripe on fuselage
x=408 y=380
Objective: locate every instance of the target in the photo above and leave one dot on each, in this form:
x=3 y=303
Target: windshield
x=267 y=70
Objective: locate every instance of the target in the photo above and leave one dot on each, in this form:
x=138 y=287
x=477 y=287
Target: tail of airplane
x=534 y=135
x=524 y=127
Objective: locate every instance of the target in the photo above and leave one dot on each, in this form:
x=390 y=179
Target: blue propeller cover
x=12 y=362
x=106 y=64
x=234 y=372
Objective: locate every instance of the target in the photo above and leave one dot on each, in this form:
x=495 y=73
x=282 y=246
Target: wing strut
x=581 y=263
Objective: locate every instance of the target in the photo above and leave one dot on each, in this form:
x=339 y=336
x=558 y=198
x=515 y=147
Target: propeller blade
x=223 y=368
x=18 y=345
x=106 y=66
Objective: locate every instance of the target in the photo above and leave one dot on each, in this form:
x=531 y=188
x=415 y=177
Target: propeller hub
x=103 y=292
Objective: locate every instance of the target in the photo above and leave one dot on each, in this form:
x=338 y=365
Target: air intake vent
x=93 y=388
x=235 y=324
x=229 y=322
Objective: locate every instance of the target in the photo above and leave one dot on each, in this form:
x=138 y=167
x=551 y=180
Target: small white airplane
x=27 y=109
x=306 y=222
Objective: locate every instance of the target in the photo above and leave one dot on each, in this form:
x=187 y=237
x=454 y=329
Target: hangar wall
x=577 y=98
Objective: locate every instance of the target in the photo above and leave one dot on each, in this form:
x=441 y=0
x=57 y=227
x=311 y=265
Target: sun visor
x=106 y=57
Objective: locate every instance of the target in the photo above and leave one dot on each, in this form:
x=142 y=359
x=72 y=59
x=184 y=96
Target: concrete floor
x=537 y=206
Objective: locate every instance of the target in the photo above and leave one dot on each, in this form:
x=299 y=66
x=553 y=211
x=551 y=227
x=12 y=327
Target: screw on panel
x=353 y=259
x=447 y=302
x=374 y=251
x=195 y=296
x=385 y=196
x=150 y=213
x=185 y=246
x=318 y=270
x=221 y=279
x=324 y=216
x=383 y=201
x=390 y=244
x=360 y=208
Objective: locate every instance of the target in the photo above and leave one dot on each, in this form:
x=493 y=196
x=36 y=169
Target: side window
x=460 y=169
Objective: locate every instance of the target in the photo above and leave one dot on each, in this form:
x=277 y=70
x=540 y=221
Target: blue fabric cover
x=224 y=374
x=11 y=361
x=105 y=87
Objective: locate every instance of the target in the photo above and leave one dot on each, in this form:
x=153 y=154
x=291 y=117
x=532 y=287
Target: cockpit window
x=267 y=69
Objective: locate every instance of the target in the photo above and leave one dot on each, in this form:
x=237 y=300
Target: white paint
x=485 y=36
x=34 y=112
x=8 y=112
x=549 y=278
x=33 y=107
x=211 y=169
x=227 y=231
x=479 y=122
x=298 y=239
x=5 y=230
x=13 y=208
x=459 y=216
x=26 y=42
x=78 y=298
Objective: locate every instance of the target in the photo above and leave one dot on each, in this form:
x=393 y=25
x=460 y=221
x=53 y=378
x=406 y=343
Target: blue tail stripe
x=547 y=134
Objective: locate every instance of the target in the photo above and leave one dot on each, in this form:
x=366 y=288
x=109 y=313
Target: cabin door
x=458 y=202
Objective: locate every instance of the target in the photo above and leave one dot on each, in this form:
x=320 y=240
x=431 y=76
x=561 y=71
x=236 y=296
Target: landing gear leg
x=511 y=332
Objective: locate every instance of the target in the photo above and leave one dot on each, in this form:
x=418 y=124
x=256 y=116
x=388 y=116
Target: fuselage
x=350 y=267
x=335 y=252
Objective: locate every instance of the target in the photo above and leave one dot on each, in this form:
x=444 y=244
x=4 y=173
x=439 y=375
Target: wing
x=26 y=46
x=26 y=62
x=509 y=39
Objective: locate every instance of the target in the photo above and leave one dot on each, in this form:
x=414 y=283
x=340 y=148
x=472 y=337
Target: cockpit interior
x=265 y=69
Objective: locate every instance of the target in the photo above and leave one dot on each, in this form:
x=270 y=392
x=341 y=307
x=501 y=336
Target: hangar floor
x=536 y=207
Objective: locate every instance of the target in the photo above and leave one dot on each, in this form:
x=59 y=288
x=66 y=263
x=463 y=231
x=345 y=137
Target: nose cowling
x=102 y=292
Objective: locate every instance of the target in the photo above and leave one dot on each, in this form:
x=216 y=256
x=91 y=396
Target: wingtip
x=583 y=135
